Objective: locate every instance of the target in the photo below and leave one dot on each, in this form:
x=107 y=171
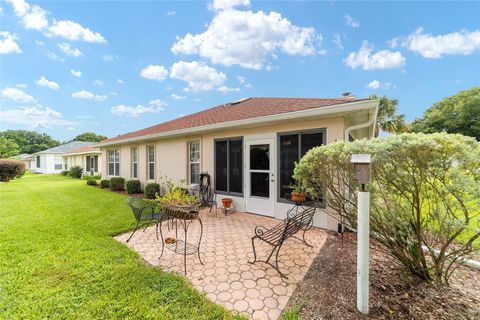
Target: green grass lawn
x=58 y=258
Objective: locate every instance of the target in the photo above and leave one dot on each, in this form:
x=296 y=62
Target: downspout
x=360 y=126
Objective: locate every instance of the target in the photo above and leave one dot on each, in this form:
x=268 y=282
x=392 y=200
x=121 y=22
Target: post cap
x=361 y=158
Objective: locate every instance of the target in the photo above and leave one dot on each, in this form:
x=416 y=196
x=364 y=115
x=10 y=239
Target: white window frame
x=113 y=157
x=134 y=161
x=150 y=162
x=190 y=162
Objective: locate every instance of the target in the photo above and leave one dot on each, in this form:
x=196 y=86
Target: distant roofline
x=352 y=105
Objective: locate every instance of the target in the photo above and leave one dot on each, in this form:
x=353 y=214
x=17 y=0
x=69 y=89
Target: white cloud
x=39 y=43
x=120 y=81
x=76 y=73
x=217 y=5
x=84 y=94
x=198 y=75
x=375 y=84
x=177 y=97
x=247 y=38
x=456 y=43
x=21 y=85
x=17 y=95
x=69 y=50
x=225 y=89
x=73 y=31
x=243 y=82
x=109 y=57
x=54 y=57
x=83 y=117
x=349 y=21
x=35 y=117
x=129 y=111
x=98 y=83
x=8 y=43
x=71 y=128
x=368 y=60
x=43 y=82
x=157 y=103
x=337 y=40
x=153 y=72
x=33 y=17
x=171 y=13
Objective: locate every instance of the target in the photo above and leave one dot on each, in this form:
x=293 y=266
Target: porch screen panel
x=310 y=140
x=221 y=165
x=288 y=155
x=236 y=165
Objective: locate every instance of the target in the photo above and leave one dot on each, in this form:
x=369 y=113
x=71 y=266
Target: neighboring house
x=88 y=157
x=51 y=160
x=27 y=159
x=249 y=147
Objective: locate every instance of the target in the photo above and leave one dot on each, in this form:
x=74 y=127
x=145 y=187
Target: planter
x=298 y=197
x=181 y=212
x=227 y=202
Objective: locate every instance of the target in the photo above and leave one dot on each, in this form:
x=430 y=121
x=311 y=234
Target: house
x=249 y=147
x=51 y=160
x=88 y=157
x=27 y=159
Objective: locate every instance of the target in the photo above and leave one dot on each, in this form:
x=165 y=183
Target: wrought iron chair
x=208 y=198
x=144 y=212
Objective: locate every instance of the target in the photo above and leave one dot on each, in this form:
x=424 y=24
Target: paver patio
x=227 y=277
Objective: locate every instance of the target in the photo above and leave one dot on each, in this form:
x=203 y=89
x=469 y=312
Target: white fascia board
x=81 y=153
x=336 y=108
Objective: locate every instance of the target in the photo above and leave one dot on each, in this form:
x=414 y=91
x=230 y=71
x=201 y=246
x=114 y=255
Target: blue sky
x=112 y=67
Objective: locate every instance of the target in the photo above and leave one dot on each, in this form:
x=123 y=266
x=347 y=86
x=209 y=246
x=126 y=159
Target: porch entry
x=260 y=176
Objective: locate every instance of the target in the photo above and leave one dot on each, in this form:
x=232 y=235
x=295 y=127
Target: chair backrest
x=205 y=189
x=138 y=207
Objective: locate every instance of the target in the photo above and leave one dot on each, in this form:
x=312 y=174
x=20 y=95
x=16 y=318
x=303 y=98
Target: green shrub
x=424 y=196
x=65 y=173
x=92 y=182
x=151 y=190
x=10 y=169
x=76 y=172
x=104 y=184
x=133 y=186
x=117 y=184
x=85 y=177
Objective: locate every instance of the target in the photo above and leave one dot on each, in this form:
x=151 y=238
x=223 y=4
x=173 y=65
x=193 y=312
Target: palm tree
x=387 y=118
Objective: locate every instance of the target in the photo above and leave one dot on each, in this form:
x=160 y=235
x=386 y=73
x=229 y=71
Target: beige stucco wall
x=171 y=155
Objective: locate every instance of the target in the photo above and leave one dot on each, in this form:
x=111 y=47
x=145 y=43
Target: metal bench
x=296 y=221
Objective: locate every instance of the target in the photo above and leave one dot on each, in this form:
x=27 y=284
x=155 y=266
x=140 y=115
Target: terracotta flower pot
x=227 y=202
x=298 y=197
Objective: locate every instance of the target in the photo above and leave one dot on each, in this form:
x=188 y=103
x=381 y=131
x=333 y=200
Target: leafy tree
x=8 y=148
x=425 y=197
x=387 y=119
x=459 y=113
x=89 y=136
x=30 y=141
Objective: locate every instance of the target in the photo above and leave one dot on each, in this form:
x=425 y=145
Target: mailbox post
x=362 y=174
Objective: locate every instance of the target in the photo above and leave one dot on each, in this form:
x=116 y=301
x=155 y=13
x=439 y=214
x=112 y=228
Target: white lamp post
x=362 y=172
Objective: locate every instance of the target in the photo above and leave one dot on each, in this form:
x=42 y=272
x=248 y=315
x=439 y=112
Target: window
x=229 y=166
x=114 y=162
x=38 y=161
x=58 y=166
x=151 y=162
x=292 y=147
x=194 y=162
x=134 y=161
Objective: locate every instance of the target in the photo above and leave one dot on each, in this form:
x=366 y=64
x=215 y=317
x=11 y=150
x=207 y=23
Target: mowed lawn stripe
x=58 y=258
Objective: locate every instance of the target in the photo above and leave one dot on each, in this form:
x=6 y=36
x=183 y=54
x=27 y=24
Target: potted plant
x=298 y=194
x=227 y=202
x=178 y=203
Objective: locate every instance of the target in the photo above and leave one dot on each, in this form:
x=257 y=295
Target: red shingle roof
x=244 y=109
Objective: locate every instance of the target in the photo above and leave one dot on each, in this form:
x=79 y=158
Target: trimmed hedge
x=76 y=172
x=65 y=173
x=10 y=169
x=92 y=182
x=151 y=190
x=91 y=177
x=104 y=184
x=133 y=186
x=117 y=184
